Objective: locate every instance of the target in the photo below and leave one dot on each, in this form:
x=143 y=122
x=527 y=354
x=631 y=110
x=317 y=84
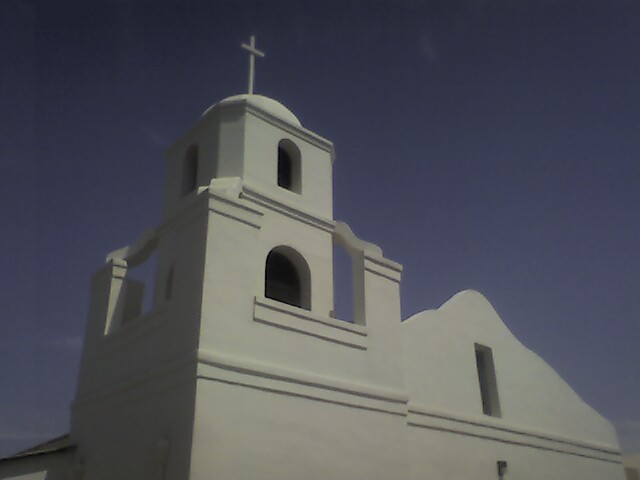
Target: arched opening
x=289 y=169
x=287 y=278
x=190 y=170
x=284 y=168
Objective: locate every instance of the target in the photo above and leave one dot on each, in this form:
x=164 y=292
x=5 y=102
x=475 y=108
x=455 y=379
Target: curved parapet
x=443 y=350
x=139 y=251
x=344 y=236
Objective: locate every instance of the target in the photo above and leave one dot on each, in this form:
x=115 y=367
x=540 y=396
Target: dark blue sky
x=483 y=144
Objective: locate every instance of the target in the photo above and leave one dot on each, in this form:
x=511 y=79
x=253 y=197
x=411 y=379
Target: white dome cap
x=266 y=104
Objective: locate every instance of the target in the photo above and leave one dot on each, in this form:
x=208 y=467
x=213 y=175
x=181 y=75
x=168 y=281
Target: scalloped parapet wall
x=441 y=372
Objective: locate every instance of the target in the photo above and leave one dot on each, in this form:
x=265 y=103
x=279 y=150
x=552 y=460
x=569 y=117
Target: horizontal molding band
x=235 y=210
x=281 y=380
x=514 y=442
x=254 y=195
x=301 y=384
x=293 y=129
x=383 y=267
x=280 y=315
x=307 y=315
x=300 y=132
x=453 y=423
x=362 y=404
x=384 y=263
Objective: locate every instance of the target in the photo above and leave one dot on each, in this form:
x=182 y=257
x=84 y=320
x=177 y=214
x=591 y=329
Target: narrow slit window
x=487 y=381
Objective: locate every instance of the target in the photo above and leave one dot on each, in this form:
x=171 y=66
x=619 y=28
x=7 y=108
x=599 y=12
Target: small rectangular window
x=487 y=381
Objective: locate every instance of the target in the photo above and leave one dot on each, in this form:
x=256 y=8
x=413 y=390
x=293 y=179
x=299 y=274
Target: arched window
x=289 y=169
x=190 y=170
x=287 y=278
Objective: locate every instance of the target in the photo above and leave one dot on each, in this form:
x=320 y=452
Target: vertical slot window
x=487 y=381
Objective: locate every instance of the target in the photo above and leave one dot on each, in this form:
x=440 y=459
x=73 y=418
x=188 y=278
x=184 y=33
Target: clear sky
x=491 y=145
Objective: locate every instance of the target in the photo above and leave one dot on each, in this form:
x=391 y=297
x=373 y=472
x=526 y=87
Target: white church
x=240 y=369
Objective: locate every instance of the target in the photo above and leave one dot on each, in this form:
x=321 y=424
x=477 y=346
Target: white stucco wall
x=285 y=429
x=545 y=430
x=239 y=139
x=219 y=381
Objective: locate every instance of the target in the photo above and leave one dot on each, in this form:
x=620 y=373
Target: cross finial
x=253 y=51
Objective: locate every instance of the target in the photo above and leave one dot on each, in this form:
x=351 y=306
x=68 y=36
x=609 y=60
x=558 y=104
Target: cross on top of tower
x=253 y=51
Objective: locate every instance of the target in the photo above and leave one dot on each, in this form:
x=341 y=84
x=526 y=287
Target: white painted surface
x=266 y=104
x=219 y=381
x=441 y=372
x=545 y=430
x=253 y=53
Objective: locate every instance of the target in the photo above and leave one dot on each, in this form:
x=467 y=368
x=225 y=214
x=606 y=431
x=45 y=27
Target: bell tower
x=259 y=140
x=239 y=369
x=270 y=352
x=255 y=160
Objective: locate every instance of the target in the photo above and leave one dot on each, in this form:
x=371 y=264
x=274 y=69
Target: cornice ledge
x=383 y=267
x=295 y=130
x=273 y=372
x=232 y=208
x=300 y=132
x=258 y=197
x=302 y=314
x=503 y=426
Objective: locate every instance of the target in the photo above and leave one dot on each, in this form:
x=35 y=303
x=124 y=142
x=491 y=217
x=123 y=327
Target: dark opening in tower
x=287 y=278
x=289 y=169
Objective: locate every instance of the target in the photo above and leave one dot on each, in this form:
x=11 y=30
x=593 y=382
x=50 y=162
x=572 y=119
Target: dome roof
x=266 y=104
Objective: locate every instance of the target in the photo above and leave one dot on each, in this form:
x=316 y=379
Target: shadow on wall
x=342 y=284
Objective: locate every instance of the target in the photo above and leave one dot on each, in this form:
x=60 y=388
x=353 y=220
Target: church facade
x=239 y=368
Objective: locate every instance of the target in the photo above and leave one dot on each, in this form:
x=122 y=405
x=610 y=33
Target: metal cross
x=253 y=51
